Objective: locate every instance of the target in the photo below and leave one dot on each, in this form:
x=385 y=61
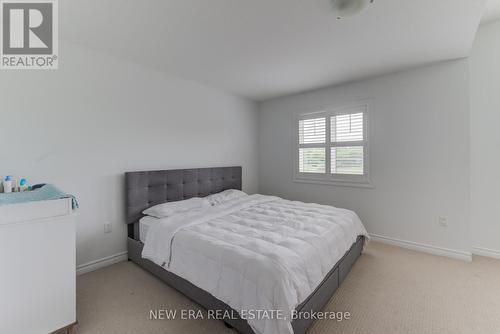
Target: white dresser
x=37 y=267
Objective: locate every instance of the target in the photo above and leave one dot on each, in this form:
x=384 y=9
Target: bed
x=148 y=188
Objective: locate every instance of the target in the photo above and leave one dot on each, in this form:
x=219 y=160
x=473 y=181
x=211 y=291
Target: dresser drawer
x=14 y=213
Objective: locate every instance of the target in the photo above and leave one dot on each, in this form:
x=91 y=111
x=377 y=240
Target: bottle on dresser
x=7 y=184
x=23 y=185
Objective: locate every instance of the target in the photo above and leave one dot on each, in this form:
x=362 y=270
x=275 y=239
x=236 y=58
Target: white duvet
x=256 y=252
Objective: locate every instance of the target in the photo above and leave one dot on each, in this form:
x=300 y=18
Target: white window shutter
x=332 y=146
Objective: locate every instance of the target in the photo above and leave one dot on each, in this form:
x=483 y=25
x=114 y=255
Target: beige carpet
x=389 y=290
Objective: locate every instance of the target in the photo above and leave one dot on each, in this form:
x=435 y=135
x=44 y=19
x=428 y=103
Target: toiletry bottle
x=7 y=184
x=23 y=185
x=14 y=187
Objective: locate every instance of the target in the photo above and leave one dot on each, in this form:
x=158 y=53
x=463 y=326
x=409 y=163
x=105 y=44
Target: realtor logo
x=29 y=34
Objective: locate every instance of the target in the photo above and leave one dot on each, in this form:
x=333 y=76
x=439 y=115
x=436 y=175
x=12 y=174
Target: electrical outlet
x=108 y=227
x=443 y=221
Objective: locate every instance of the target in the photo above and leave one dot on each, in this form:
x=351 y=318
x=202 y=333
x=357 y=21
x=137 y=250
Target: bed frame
x=145 y=189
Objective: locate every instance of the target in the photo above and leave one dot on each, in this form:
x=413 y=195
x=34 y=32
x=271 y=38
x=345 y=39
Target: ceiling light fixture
x=348 y=8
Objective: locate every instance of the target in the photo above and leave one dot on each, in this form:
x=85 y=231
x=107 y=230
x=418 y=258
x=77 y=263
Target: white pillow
x=170 y=208
x=224 y=196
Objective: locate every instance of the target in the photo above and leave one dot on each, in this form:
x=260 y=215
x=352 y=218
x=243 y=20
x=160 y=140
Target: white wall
x=419 y=139
x=82 y=126
x=485 y=139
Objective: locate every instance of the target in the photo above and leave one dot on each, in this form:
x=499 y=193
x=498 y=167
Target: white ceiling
x=267 y=48
x=491 y=11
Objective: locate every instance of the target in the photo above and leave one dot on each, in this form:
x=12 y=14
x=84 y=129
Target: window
x=333 y=146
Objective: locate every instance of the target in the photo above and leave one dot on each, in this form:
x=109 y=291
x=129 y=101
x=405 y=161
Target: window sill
x=334 y=182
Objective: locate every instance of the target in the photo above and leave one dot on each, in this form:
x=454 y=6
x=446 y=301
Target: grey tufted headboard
x=145 y=189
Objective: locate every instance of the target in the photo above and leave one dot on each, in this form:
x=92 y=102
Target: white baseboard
x=101 y=263
x=495 y=254
x=455 y=254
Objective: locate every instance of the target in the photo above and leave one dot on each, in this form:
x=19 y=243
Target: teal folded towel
x=45 y=192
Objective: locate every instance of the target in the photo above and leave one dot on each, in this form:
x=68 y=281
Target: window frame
x=348 y=180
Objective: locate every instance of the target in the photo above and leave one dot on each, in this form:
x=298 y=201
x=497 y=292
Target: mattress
x=144 y=224
x=256 y=253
